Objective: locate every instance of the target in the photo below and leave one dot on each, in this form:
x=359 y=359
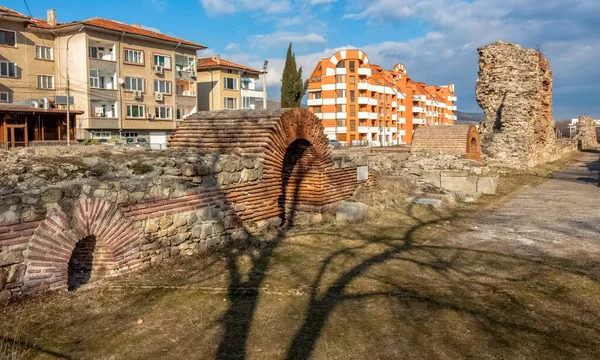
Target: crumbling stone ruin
x=515 y=91
x=586 y=133
x=70 y=215
x=456 y=139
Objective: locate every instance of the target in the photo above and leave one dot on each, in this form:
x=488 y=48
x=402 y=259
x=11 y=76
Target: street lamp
x=69 y=91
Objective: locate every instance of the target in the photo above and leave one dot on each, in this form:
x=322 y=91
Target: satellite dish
x=121 y=81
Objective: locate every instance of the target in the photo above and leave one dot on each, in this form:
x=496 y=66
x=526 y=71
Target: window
x=380 y=96
x=3 y=96
x=352 y=81
x=230 y=103
x=162 y=112
x=229 y=83
x=94 y=79
x=352 y=125
x=178 y=114
x=45 y=82
x=352 y=95
x=163 y=87
x=352 y=110
x=135 y=111
x=341 y=122
x=8 y=69
x=341 y=107
x=341 y=65
x=340 y=79
x=134 y=56
x=43 y=52
x=341 y=93
x=316 y=95
x=8 y=38
x=162 y=60
x=317 y=109
x=101 y=135
x=351 y=65
x=133 y=84
x=130 y=135
x=102 y=53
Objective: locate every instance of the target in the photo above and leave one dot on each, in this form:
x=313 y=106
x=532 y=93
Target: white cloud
x=156 y=30
x=281 y=38
x=214 y=7
x=318 y=2
x=564 y=29
x=232 y=47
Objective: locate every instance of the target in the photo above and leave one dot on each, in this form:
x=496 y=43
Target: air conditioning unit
x=159 y=96
x=158 y=69
x=137 y=94
x=150 y=116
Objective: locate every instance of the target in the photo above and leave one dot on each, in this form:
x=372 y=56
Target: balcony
x=401 y=120
x=341 y=115
x=419 y=98
x=99 y=50
x=394 y=117
x=452 y=98
x=363 y=129
x=185 y=67
x=315 y=102
x=363 y=100
x=419 y=121
x=102 y=79
x=453 y=108
x=394 y=130
x=373 y=116
x=364 y=71
x=363 y=85
x=418 y=109
x=341 y=86
x=185 y=88
x=401 y=108
x=341 y=100
x=340 y=71
x=363 y=115
x=394 y=104
x=373 y=102
x=432 y=113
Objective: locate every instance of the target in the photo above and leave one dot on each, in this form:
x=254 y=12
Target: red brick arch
x=53 y=241
x=313 y=181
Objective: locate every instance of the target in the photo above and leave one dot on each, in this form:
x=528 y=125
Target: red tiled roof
x=11 y=12
x=130 y=29
x=204 y=63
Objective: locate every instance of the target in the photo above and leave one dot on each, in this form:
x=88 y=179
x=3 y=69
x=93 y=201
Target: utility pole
x=69 y=91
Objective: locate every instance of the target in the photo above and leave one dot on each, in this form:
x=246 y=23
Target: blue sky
x=437 y=40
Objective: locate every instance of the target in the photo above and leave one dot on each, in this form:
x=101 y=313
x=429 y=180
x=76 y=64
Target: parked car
x=138 y=142
x=335 y=143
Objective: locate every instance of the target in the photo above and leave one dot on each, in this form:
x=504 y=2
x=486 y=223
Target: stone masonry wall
x=515 y=91
x=586 y=133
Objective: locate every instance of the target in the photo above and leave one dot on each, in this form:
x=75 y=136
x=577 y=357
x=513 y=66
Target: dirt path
x=559 y=218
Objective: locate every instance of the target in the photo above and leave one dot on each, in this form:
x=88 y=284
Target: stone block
x=188 y=170
x=165 y=222
x=11 y=257
x=487 y=185
x=467 y=184
x=52 y=195
x=432 y=177
x=350 y=212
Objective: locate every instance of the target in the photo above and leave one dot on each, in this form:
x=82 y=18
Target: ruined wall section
x=515 y=91
x=586 y=133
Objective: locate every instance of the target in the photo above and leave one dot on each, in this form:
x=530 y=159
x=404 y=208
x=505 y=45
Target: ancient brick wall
x=457 y=139
x=514 y=89
x=209 y=189
x=586 y=133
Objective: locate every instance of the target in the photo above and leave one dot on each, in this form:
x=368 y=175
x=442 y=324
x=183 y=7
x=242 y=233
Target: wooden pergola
x=23 y=126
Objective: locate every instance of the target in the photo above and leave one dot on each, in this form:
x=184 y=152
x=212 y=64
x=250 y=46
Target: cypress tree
x=292 y=86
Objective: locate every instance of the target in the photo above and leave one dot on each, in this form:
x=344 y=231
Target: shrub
x=140 y=168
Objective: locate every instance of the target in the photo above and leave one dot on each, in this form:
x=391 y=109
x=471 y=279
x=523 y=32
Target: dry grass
x=392 y=287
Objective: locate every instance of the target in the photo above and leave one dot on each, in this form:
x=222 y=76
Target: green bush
x=140 y=168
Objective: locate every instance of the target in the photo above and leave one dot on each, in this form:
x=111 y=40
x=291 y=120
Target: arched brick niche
x=68 y=251
x=299 y=171
x=454 y=139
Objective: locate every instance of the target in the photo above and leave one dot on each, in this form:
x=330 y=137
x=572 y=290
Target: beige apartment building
x=225 y=85
x=128 y=81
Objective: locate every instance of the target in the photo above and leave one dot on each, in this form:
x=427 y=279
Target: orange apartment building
x=362 y=104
